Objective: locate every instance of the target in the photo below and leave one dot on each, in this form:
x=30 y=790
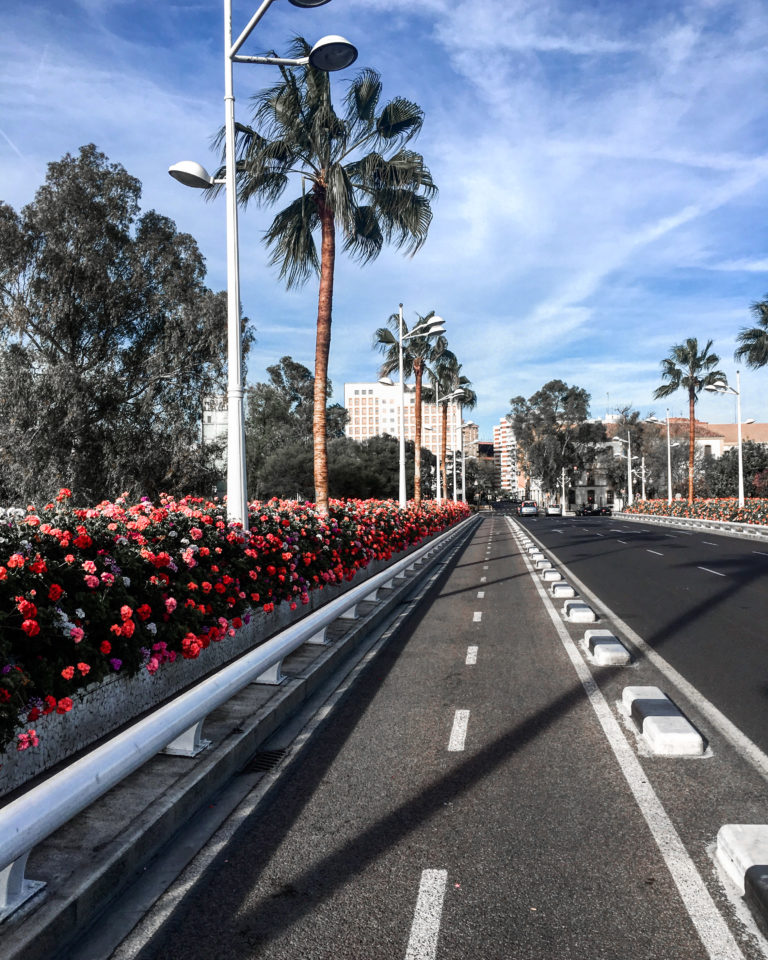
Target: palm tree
x=688 y=369
x=419 y=353
x=449 y=378
x=754 y=340
x=357 y=177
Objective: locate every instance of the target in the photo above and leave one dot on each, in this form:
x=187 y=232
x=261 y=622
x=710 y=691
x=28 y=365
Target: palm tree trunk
x=691 y=440
x=444 y=428
x=419 y=372
x=322 y=350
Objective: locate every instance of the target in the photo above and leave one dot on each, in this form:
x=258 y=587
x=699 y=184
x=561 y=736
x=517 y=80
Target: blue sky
x=603 y=172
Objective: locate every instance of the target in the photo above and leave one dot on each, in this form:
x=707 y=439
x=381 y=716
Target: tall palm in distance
x=357 y=177
x=449 y=378
x=691 y=369
x=753 y=341
x=418 y=354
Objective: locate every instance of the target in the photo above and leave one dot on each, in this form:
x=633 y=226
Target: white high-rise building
x=374 y=408
x=505 y=455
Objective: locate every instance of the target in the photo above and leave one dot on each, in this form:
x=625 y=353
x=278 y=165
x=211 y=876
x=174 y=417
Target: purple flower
x=116 y=664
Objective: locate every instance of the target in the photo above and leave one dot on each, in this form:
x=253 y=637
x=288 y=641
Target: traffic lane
x=710 y=626
x=532 y=822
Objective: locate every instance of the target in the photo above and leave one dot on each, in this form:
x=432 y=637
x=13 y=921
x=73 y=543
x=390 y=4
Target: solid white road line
x=481 y=594
x=707 y=570
x=655 y=552
x=621 y=541
x=712 y=929
x=477 y=616
x=750 y=752
x=422 y=944
x=471 y=656
x=458 y=731
x=761 y=553
x=709 y=543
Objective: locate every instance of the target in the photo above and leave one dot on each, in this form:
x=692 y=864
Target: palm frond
x=365 y=240
x=290 y=241
x=362 y=98
x=400 y=119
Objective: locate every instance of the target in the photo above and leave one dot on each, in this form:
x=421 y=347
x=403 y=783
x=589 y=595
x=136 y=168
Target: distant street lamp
x=438 y=400
x=425 y=328
x=630 y=458
x=722 y=387
x=330 y=53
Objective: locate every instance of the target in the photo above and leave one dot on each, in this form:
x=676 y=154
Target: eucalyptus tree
x=357 y=176
x=753 y=341
x=691 y=369
x=420 y=354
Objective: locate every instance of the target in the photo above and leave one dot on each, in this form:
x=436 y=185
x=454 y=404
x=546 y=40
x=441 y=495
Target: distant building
x=374 y=409
x=511 y=477
x=214 y=425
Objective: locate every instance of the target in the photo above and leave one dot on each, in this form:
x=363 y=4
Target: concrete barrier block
x=576 y=611
x=741 y=846
x=543 y=565
x=551 y=575
x=673 y=736
x=562 y=590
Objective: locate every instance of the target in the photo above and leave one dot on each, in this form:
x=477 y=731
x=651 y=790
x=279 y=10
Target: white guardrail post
x=175 y=727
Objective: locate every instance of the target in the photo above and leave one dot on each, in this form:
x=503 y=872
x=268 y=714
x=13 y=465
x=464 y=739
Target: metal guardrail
x=751 y=530
x=175 y=727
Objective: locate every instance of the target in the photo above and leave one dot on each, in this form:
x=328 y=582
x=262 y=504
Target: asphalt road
x=477 y=796
x=699 y=599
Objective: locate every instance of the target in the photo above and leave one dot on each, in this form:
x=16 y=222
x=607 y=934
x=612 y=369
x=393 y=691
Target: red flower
x=31 y=628
x=54 y=592
x=64 y=705
x=105 y=647
x=144 y=612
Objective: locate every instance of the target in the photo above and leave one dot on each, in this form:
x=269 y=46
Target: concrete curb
x=662 y=724
x=742 y=852
x=116 y=837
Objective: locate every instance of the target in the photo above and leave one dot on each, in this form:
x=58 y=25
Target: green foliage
x=110 y=340
x=279 y=431
x=721 y=475
x=553 y=434
x=753 y=341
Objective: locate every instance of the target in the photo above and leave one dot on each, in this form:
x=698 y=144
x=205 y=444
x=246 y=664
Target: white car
x=554 y=510
x=529 y=508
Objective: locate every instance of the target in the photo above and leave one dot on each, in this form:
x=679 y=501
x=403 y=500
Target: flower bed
x=125 y=588
x=727 y=509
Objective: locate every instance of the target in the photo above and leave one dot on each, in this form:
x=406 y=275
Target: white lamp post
x=330 y=53
x=468 y=423
x=438 y=400
x=630 y=458
x=722 y=387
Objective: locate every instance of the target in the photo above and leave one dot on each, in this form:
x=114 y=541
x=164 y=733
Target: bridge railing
x=175 y=727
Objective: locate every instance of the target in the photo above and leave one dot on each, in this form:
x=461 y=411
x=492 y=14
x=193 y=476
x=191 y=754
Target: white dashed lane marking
x=458 y=731
x=707 y=570
x=481 y=594
x=471 y=656
x=656 y=552
x=422 y=944
x=477 y=616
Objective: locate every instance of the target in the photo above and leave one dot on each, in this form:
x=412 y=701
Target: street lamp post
x=328 y=54
x=722 y=387
x=630 y=458
x=425 y=328
x=438 y=400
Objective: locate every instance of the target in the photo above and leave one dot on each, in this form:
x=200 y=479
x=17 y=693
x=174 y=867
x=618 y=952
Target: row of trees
x=110 y=339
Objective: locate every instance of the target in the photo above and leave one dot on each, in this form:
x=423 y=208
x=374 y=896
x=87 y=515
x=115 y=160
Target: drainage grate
x=265 y=760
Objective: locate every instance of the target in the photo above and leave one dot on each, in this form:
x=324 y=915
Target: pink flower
x=170 y=604
x=91 y=581
x=28 y=739
x=89 y=566
x=107 y=579
x=196 y=533
x=77 y=634
x=153 y=665
x=126 y=612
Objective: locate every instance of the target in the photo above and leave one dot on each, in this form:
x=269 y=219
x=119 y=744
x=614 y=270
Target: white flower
x=151 y=628
x=80 y=613
x=127 y=581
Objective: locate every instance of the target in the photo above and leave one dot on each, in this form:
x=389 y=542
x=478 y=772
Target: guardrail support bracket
x=321 y=637
x=189 y=743
x=15 y=889
x=273 y=675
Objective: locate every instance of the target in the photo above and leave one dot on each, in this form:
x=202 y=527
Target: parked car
x=529 y=508
x=592 y=510
x=553 y=510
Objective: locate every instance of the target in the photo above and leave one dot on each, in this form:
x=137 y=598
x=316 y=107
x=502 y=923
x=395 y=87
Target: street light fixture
x=438 y=400
x=722 y=387
x=669 y=453
x=328 y=54
x=630 y=458
x=425 y=328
